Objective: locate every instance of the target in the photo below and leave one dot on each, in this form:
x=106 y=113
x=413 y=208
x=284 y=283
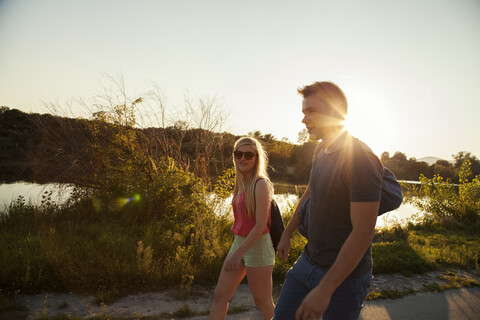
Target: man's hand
x=283 y=247
x=314 y=305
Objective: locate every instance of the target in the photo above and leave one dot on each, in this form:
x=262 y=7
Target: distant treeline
x=48 y=148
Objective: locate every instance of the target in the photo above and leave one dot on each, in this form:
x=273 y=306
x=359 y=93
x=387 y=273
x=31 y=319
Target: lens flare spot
x=123 y=201
x=96 y=204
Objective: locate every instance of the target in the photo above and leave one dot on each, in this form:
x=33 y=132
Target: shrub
x=136 y=223
x=441 y=202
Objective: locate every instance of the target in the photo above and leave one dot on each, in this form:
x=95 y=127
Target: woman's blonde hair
x=259 y=171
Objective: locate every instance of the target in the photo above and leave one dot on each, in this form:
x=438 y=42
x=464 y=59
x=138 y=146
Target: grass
x=416 y=249
x=389 y=294
x=109 y=255
x=99 y=254
x=10 y=305
x=447 y=280
x=106 y=258
x=450 y=280
x=184 y=311
x=237 y=309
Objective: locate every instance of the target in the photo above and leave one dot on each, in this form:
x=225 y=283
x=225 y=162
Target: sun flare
x=371 y=121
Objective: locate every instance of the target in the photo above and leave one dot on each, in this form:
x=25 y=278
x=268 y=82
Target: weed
x=450 y=280
x=62 y=305
x=184 y=311
x=11 y=305
x=237 y=309
x=433 y=287
x=182 y=294
x=456 y=281
x=389 y=294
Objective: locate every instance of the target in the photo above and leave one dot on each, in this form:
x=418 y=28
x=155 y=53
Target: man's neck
x=332 y=143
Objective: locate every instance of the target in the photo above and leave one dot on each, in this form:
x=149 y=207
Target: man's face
x=318 y=117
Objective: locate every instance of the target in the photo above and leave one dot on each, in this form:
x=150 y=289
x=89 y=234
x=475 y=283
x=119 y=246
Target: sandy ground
x=162 y=305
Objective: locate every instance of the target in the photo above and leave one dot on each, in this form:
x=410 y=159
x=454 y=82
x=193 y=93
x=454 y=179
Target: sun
x=371 y=121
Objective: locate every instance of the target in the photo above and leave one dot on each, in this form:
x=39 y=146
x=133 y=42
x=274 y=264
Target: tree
x=444 y=169
x=301 y=160
x=207 y=117
x=279 y=153
x=398 y=165
x=399 y=157
x=385 y=157
x=460 y=159
x=3 y=109
x=303 y=136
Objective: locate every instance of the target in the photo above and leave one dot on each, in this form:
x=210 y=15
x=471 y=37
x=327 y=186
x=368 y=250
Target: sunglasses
x=248 y=155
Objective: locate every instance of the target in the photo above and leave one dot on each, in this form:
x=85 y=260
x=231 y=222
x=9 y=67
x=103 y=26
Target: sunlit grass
x=417 y=249
x=108 y=254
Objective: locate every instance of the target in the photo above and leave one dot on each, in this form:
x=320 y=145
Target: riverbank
x=167 y=305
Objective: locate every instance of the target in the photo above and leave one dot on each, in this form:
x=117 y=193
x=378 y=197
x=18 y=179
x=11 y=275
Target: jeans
x=346 y=301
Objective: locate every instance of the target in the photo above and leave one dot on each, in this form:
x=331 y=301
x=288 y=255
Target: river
x=33 y=192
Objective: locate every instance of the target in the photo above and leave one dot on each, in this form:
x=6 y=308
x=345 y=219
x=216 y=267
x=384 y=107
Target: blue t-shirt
x=351 y=174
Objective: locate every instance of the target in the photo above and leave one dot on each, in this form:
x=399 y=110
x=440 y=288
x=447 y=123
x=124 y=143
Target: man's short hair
x=330 y=93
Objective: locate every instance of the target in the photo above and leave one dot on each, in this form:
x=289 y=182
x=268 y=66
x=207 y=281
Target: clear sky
x=410 y=68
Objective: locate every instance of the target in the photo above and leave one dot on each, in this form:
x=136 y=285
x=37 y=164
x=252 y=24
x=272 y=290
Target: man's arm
x=283 y=246
x=363 y=217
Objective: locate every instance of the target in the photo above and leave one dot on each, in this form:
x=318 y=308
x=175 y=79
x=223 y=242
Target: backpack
x=391 y=193
x=391 y=196
x=276 y=226
x=391 y=199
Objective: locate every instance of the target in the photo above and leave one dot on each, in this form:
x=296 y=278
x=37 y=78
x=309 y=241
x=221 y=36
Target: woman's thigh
x=260 y=282
x=228 y=282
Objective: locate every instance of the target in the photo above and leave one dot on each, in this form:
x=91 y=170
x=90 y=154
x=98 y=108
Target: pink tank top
x=243 y=224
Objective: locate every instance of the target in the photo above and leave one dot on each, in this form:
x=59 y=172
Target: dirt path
x=162 y=305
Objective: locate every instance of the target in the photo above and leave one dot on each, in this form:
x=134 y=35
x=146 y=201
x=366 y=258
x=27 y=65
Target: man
x=331 y=277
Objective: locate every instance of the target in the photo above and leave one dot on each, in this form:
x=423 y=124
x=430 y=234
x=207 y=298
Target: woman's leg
x=228 y=282
x=260 y=283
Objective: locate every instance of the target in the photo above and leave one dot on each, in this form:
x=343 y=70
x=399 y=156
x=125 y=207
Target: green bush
x=111 y=244
x=140 y=223
x=298 y=243
x=440 y=202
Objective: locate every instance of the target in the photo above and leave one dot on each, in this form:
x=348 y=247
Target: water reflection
x=401 y=216
x=33 y=192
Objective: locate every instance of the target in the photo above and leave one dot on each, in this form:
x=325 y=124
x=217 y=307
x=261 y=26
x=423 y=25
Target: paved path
x=456 y=304
x=463 y=303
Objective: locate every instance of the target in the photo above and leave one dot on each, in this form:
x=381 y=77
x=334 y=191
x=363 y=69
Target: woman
x=252 y=252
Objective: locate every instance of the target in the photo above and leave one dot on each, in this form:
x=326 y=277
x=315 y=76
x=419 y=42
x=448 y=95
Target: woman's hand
x=233 y=262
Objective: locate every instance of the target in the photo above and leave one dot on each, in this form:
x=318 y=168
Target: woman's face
x=244 y=165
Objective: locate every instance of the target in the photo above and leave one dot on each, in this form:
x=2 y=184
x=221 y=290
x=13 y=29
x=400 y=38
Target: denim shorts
x=260 y=254
x=346 y=302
